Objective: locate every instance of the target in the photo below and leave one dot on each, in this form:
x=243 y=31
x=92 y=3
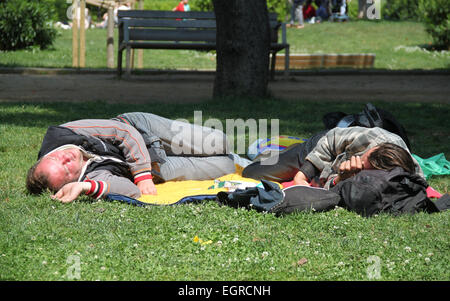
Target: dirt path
x=195 y=87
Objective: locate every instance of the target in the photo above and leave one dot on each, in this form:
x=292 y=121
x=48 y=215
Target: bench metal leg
x=128 y=61
x=286 y=62
x=272 y=65
x=119 y=63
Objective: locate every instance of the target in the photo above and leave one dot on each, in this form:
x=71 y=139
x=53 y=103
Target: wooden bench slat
x=165 y=45
x=173 y=35
x=160 y=14
x=173 y=23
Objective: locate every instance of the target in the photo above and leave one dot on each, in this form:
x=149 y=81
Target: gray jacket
x=340 y=144
x=132 y=146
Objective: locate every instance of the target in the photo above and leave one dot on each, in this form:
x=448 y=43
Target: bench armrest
x=283 y=33
x=120 y=30
x=124 y=29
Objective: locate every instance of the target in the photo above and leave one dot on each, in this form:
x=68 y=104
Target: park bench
x=149 y=29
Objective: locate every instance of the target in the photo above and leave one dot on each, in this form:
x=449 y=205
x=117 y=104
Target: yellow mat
x=173 y=191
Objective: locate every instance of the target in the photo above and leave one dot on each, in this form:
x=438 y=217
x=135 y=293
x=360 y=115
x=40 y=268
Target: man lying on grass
x=335 y=155
x=125 y=155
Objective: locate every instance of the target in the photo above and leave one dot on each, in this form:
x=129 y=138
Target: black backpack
x=367 y=193
x=378 y=191
x=369 y=117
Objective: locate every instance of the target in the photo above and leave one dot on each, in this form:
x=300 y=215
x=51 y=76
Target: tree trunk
x=243 y=43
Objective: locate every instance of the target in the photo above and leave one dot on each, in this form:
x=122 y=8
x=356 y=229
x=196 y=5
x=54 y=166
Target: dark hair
x=387 y=156
x=36 y=182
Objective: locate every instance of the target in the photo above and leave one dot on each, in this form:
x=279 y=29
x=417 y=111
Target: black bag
x=367 y=193
x=260 y=199
x=375 y=191
x=369 y=117
x=305 y=198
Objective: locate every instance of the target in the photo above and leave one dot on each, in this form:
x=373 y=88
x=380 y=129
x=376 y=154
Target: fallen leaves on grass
x=200 y=241
x=300 y=262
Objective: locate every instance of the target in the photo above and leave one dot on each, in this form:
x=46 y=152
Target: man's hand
x=147 y=187
x=349 y=168
x=71 y=191
x=301 y=179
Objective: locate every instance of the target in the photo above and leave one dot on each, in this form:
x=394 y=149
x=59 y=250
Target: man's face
x=61 y=167
x=365 y=158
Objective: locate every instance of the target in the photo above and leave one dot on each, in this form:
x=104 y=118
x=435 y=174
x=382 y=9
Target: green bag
x=436 y=165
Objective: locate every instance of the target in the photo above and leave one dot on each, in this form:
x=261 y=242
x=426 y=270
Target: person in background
x=297 y=13
x=118 y=6
x=182 y=6
x=324 y=10
x=309 y=12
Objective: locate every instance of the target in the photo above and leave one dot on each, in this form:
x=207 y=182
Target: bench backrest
x=192 y=26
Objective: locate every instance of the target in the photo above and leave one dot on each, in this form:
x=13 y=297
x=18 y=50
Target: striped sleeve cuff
x=98 y=189
x=142 y=176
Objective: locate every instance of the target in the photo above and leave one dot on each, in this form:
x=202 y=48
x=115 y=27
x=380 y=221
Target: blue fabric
x=128 y=200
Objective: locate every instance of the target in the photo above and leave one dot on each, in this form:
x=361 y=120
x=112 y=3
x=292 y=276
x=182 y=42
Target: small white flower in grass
x=44 y=262
x=265 y=254
x=390 y=265
x=427 y=260
x=340 y=263
x=235 y=239
x=408 y=249
x=103 y=268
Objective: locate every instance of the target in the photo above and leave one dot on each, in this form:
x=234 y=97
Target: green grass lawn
x=397 y=45
x=41 y=239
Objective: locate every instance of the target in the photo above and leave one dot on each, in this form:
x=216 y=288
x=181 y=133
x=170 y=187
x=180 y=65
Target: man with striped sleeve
x=125 y=155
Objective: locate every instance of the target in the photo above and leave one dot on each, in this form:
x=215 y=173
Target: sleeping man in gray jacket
x=335 y=155
x=127 y=155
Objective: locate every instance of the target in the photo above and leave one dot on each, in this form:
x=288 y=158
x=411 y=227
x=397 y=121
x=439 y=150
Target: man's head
x=55 y=170
x=387 y=156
